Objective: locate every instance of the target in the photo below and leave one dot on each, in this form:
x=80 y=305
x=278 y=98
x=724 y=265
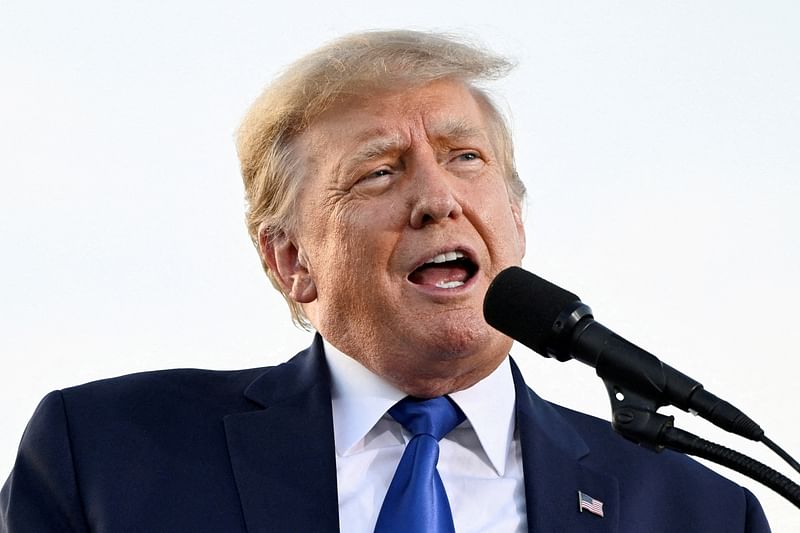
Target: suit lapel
x=283 y=455
x=551 y=460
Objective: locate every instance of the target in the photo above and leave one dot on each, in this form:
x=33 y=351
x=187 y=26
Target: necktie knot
x=416 y=499
x=436 y=417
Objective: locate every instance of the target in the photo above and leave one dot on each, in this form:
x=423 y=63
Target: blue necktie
x=416 y=500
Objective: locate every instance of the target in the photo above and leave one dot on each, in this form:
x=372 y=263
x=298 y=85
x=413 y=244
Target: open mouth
x=447 y=270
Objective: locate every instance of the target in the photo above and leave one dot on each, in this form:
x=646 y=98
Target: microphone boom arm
x=636 y=418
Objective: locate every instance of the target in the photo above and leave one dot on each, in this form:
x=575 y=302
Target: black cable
x=685 y=442
x=781 y=452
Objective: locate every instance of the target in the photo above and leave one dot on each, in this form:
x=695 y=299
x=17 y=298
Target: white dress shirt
x=480 y=461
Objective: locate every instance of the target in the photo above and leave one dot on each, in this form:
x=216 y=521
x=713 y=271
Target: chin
x=455 y=339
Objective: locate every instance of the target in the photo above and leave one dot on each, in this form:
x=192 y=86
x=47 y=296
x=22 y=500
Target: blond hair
x=353 y=65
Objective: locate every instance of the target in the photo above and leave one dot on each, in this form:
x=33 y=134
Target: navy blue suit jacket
x=252 y=450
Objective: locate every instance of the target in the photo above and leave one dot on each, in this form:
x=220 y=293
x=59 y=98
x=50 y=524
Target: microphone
x=555 y=323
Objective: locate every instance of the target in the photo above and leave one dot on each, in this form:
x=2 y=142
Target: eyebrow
x=371 y=144
x=457 y=128
x=375 y=143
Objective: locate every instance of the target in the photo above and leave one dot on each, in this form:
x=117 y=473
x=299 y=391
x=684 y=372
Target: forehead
x=440 y=109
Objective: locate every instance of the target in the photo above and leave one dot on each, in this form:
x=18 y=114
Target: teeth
x=447 y=256
x=449 y=284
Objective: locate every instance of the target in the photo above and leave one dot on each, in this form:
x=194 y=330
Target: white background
x=659 y=142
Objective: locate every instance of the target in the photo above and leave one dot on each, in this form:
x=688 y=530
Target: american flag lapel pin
x=587 y=503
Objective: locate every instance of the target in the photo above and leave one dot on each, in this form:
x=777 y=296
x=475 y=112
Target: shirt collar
x=489 y=406
x=360 y=398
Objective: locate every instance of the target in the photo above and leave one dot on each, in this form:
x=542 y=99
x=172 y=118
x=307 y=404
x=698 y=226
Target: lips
x=449 y=269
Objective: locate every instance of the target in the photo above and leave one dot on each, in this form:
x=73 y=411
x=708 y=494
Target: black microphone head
x=525 y=307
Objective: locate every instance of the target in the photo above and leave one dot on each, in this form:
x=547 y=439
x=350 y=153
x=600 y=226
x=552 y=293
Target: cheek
x=519 y=228
x=373 y=229
x=500 y=223
x=355 y=254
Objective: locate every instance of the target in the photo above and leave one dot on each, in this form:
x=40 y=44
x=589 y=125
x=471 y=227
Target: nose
x=434 y=198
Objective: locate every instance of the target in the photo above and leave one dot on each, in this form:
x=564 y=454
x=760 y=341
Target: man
x=383 y=199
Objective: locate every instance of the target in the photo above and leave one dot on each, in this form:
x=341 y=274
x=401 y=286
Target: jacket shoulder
x=611 y=448
x=184 y=384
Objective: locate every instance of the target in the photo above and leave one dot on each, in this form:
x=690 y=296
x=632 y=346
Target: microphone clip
x=636 y=418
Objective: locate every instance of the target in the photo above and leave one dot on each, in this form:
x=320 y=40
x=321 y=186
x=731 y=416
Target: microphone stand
x=635 y=417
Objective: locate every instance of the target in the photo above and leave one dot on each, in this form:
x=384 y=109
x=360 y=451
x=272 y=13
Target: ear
x=287 y=262
x=516 y=211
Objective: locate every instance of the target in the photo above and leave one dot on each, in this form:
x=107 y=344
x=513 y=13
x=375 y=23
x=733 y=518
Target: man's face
x=404 y=221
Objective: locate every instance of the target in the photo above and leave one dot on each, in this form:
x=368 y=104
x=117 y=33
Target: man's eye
x=381 y=172
x=468 y=156
x=374 y=178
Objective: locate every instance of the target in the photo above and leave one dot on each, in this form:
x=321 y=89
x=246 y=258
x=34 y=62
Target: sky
x=658 y=141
